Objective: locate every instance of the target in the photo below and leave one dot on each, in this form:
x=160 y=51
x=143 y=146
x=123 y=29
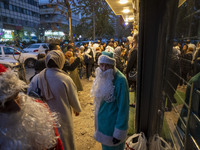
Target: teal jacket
x=113 y=117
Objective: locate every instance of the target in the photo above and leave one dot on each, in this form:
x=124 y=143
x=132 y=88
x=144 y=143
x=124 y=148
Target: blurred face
x=184 y=48
x=105 y=67
x=68 y=54
x=58 y=47
x=115 y=44
x=71 y=49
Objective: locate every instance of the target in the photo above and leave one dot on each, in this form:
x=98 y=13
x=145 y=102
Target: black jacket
x=132 y=61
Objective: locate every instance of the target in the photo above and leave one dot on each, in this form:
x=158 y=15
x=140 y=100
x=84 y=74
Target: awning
x=128 y=9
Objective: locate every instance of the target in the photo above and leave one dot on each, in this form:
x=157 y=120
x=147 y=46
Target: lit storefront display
x=6 y=35
x=56 y=34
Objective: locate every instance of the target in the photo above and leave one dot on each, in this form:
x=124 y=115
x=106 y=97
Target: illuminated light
x=123 y=1
x=126 y=11
x=126 y=23
x=131 y=18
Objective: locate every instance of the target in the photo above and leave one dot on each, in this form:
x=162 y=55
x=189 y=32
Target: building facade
x=16 y=15
x=53 y=20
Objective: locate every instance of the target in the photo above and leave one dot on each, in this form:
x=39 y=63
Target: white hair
x=10 y=84
x=30 y=128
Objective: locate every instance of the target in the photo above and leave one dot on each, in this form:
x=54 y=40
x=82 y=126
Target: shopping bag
x=136 y=142
x=158 y=143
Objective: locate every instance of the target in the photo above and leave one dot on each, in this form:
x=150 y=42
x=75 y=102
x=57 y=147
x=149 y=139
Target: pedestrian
x=111 y=98
x=89 y=61
x=25 y=123
x=73 y=74
x=60 y=93
x=132 y=62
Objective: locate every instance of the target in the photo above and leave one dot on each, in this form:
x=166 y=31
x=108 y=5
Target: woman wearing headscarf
x=60 y=93
x=119 y=60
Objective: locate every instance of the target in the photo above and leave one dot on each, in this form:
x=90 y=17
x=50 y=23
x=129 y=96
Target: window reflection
x=181 y=126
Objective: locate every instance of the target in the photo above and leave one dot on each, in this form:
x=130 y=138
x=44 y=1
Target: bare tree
x=21 y=71
x=61 y=6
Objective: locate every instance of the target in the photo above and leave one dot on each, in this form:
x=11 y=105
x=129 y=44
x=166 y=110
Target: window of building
x=10 y=7
x=18 y=9
x=28 y=12
x=44 y=6
x=15 y=8
x=11 y=20
x=5 y=19
x=1 y=4
x=24 y=11
x=6 y=6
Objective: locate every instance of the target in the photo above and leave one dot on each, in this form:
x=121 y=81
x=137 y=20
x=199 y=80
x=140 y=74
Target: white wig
x=10 y=84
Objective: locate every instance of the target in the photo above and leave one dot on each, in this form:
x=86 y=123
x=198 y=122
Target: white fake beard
x=30 y=128
x=103 y=88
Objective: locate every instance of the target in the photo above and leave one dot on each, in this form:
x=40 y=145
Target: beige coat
x=65 y=96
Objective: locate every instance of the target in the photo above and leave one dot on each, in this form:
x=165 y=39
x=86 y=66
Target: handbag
x=132 y=75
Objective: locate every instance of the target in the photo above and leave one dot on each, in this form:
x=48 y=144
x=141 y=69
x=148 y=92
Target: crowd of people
x=46 y=123
x=184 y=63
x=57 y=82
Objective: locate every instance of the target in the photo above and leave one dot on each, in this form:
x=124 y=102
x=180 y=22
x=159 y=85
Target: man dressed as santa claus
x=25 y=123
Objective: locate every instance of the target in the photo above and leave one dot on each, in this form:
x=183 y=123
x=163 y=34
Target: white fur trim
x=106 y=60
x=106 y=140
x=120 y=134
x=10 y=84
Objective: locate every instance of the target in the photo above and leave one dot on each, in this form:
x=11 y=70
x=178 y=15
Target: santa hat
x=10 y=84
x=107 y=58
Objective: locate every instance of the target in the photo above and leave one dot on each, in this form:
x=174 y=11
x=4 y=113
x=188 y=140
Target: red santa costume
x=32 y=126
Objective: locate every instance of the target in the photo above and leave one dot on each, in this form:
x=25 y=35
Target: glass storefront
x=181 y=91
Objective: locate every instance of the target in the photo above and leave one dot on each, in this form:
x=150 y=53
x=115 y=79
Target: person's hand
x=76 y=113
x=115 y=141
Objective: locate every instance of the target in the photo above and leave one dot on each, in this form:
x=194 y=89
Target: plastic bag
x=158 y=143
x=136 y=142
